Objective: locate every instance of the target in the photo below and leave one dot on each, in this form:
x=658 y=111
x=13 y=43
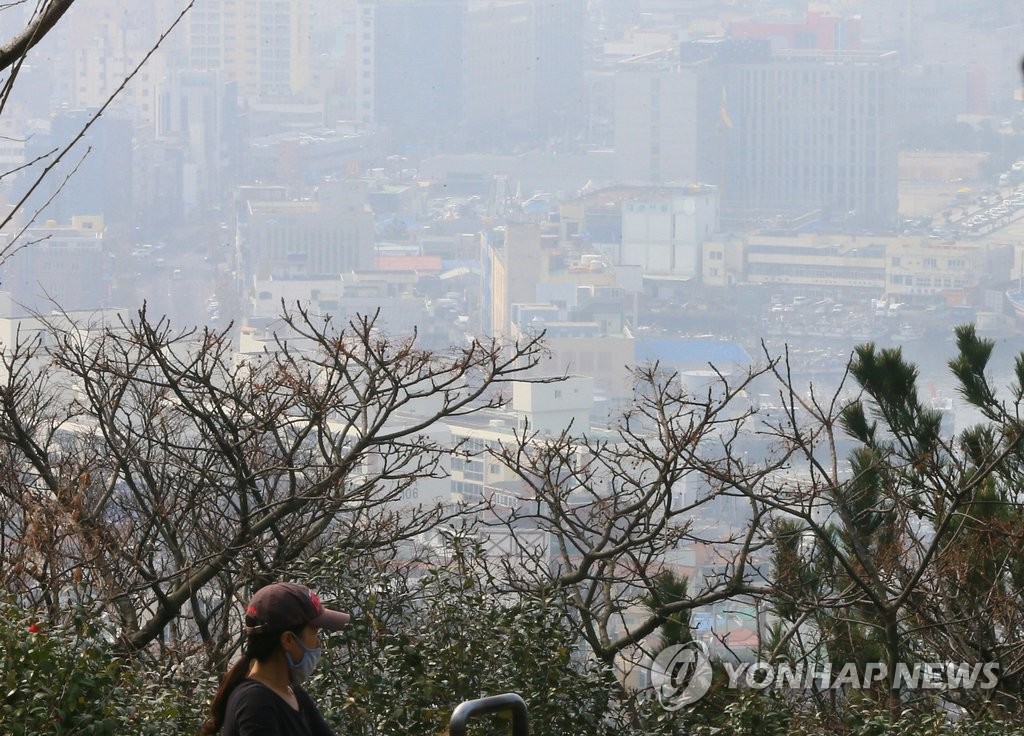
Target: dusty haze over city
x=644 y=180
x=544 y=336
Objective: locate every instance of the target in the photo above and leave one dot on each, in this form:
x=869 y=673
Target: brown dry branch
x=170 y=475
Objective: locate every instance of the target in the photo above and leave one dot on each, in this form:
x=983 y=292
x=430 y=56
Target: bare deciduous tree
x=623 y=505
x=154 y=469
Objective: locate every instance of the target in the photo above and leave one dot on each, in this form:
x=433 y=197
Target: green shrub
x=72 y=678
x=59 y=680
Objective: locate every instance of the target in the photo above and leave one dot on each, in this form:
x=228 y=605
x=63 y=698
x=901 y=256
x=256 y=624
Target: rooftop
x=682 y=350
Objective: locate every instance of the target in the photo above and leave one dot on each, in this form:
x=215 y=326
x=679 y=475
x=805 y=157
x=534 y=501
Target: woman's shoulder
x=249 y=685
x=249 y=691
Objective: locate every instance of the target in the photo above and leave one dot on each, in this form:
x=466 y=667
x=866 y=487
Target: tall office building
x=332 y=45
x=560 y=48
x=988 y=56
x=813 y=131
x=894 y=25
x=522 y=69
x=94 y=179
x=977 y=45
x=328 y=235
x=409 y=63
x=664 y=115
x=64 y=266
x=499 y=53
x=197 y=115
x=447 y=72
x=786 y=133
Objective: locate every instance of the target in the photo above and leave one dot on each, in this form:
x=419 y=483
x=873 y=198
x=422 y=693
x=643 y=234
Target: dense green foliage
x=75 y=679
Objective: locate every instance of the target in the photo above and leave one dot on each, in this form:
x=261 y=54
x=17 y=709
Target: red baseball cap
x=283 y=606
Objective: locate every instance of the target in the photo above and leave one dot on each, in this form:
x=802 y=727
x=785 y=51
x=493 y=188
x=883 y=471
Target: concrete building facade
x=901 y=268
x=499 y=71
x=328 y=235
x=263 y=47
x=62 y=267
x=814 y=131
x=662 y=233
x=781 y=133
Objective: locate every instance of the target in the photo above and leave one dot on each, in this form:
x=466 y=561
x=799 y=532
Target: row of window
x=469 y=491
x=814 y=251
x=816 y=271
x=946 y=282
x=950 y=263
x=646 y=207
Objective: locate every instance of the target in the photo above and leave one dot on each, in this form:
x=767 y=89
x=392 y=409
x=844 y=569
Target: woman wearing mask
x=261 y=695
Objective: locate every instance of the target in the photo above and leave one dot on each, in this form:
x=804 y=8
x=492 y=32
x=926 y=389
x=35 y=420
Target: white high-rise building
x=99 y=46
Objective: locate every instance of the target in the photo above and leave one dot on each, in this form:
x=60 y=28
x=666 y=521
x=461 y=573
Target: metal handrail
x=491 y=704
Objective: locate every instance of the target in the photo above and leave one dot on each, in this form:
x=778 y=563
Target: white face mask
x=306 y=666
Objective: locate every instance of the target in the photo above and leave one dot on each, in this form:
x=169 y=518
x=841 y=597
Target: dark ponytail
x=219 y=706
x=258 y=645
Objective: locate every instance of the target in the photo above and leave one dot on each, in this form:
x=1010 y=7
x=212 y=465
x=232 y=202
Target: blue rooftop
x=682 y=350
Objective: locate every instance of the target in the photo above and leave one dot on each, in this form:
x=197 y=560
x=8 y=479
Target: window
x=473 y=470
x=468 y=490
x=504 y=499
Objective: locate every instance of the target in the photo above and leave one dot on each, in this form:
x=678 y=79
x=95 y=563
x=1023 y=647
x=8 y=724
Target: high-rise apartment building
x=99 y=47
x=263 y=46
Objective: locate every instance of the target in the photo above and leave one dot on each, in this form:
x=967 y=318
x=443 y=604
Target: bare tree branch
x=41 y=24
